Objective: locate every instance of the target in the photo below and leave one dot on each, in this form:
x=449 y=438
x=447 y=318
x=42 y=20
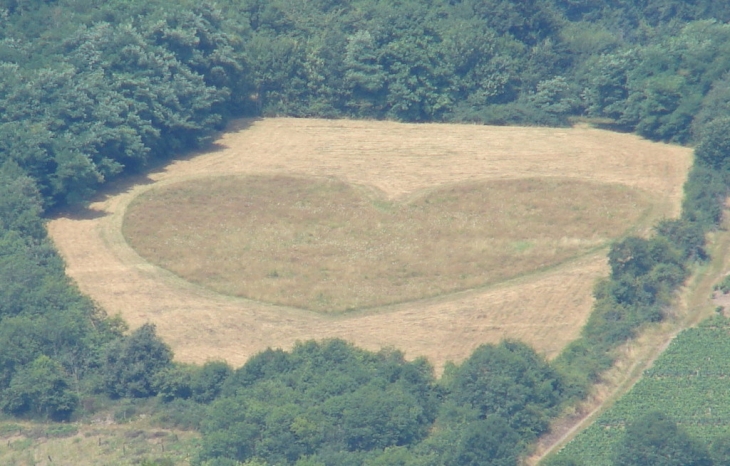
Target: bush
x=42 y=390
x=724 y=285
x=132 y=364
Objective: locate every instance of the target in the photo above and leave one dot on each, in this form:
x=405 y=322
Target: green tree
x=132 y=364
x=510 y=381
x=713 y=150
x=634 y=257
x=490 y=441
x=208 y=381
x=655 y=440
x=41 y=389
x=364 y=75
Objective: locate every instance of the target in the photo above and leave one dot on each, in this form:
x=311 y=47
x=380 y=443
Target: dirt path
x=545 y=310
x=693 y=306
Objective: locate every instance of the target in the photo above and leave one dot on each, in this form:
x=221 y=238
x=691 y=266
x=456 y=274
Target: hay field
x=327 y=246
x=545 y=309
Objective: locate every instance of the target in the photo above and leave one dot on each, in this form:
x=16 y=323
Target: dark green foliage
x=392 y=456
x=334 y=404
x=659 y=89
x=643 y=275
x=132 y=364
x=20 y=203
x=200 y=384
x=321 y=397
x=160 y=77
x=116 y=96
x=720 y=451
x=207 y=382
x=511 y=382
x=50 y=335
x=490 y=441
x=713 y=150
x=655 y=440
x=687 y=237
x=716 y=105
x=40 y=388
x=704 y=194
x=630 y=257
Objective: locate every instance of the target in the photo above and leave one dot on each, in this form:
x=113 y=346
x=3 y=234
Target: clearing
x=401 y=164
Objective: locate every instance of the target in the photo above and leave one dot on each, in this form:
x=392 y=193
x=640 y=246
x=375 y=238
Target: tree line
x=92 y=90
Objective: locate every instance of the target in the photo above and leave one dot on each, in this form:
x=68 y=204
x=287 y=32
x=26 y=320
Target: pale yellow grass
x=545 y=310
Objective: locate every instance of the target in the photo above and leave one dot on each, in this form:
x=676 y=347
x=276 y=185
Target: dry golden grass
x=546 y=309
x=324 y=245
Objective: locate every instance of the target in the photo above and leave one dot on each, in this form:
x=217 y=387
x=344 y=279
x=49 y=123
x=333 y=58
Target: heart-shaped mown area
x=325 y=245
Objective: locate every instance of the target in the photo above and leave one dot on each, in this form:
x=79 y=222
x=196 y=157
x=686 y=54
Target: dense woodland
x=92 y=90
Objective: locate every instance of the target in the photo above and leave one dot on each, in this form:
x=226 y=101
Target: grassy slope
x=101 y=442
x=326 y=246
x=545 y=310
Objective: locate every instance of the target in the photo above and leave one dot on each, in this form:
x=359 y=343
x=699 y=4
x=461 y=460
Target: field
x=688 y=381
x=386 y=167
x=327 y=246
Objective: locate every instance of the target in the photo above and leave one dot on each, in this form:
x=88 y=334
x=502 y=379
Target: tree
x=373 y=418
x=713 y=150
x=363 y=74
x=42 y=389
x=688 y=237
x=655 y=440
x=491 y=441
x=635 y=257
x=510 y=381
x=207 y=382
x=132 y=364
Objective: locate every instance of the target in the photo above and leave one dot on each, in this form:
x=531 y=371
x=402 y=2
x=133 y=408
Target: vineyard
x=689 y=382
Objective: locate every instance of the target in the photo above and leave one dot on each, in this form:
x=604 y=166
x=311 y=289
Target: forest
x=91 y=91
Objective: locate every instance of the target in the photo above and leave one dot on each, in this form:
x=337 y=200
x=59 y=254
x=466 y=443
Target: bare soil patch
x=545 y=310
x=325 y=245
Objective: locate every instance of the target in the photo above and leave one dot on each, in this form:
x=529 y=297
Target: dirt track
x=545 y=310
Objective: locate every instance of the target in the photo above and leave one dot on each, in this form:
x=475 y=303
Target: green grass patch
x=522 y=246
